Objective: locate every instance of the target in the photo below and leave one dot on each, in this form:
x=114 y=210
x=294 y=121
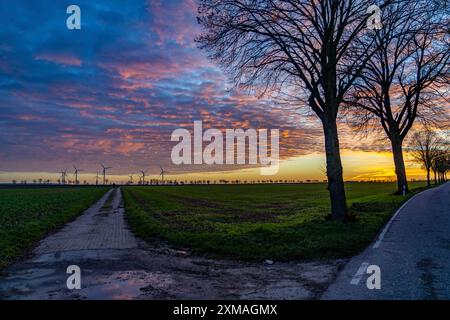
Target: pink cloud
x=62 y=59
x=174 y=21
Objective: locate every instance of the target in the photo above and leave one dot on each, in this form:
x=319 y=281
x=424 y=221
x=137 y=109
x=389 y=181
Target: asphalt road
x=413 y=254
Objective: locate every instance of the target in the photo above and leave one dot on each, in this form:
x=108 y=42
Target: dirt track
x=116 y=265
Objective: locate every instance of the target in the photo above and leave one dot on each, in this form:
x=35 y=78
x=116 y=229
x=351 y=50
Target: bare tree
x=301 y=48
x=441 y=160
x=440 y=165
x=426 y=148
x=405 y=78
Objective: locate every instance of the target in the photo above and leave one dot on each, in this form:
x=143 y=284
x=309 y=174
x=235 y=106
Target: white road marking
x=388 y=225
x=358 y=275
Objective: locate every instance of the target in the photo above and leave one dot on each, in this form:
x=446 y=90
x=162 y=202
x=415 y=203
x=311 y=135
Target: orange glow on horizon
x=358 y=166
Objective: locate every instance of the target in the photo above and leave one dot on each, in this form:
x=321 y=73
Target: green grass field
x=27 y=215
x=257 y=222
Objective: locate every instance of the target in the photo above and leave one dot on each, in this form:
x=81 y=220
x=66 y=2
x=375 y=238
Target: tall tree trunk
x=435 y=179
x=334 y=171
x=428 y=177
x=397 y=150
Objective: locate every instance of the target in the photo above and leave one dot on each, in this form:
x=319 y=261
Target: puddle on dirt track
x=152 y=274
x=126 y=285
x=43 y=283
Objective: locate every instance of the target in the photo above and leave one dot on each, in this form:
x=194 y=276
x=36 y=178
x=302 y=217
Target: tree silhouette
x=426 y=148
x=303 y=49
x=402 y=81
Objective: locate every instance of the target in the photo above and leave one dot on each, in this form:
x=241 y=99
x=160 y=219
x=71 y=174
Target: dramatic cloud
x=115 y=90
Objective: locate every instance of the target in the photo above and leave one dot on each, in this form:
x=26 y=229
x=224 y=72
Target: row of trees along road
x=432 y=151
x=323 y=55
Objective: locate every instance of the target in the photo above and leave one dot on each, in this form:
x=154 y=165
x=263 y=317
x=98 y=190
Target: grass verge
x=28 y=214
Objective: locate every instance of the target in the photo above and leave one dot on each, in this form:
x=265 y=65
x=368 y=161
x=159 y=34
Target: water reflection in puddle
x=127 y=285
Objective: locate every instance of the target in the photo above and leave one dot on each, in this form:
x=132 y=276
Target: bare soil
x=116 y=265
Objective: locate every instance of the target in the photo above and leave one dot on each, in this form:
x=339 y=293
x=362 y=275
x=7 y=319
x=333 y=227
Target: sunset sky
x=114 y=91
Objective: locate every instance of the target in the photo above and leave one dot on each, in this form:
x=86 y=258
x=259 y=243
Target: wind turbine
x=96 y=179
x=76 y=173
x=143 y=175
x=131 y=179
x=63 y=176
x=162 y=174
x=104 y=172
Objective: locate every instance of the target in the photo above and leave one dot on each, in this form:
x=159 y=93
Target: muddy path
x=116 y=265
